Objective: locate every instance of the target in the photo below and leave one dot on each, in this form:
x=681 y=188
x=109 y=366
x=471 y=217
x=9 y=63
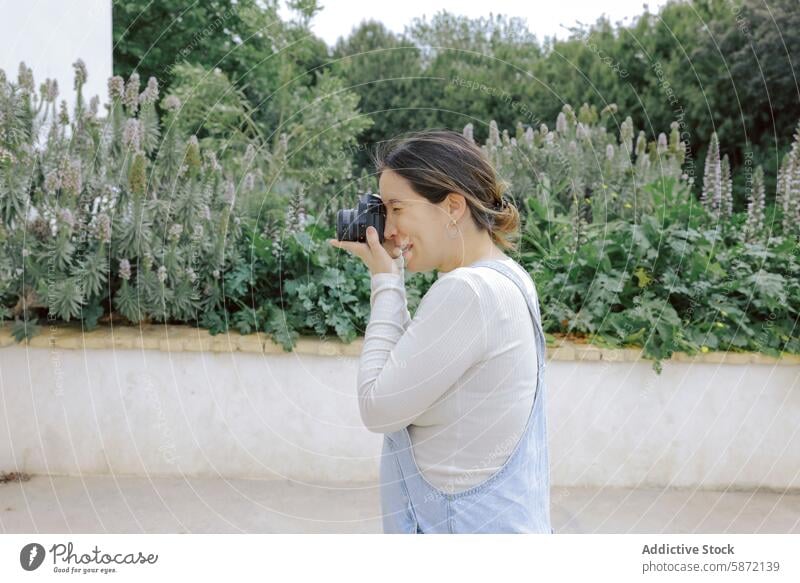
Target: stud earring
x=450 y=232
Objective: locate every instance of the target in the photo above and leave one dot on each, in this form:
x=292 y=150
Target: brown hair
x=437 y=162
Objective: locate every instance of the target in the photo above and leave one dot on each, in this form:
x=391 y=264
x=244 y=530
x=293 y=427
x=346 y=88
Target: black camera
x=351 y=224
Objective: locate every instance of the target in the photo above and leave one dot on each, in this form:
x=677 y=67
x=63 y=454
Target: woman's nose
x=389 y=230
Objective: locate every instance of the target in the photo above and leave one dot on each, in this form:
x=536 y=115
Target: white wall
x=50 y=35
x=65 y=411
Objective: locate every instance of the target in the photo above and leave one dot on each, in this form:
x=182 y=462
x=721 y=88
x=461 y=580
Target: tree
x=264 y=56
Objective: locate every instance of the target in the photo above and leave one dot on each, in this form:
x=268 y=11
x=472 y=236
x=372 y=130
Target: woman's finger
x=372 y=238
x=340 y=244
x=375 y=244
x=353 y=247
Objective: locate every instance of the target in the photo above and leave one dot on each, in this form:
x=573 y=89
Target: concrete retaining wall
x=177 y=401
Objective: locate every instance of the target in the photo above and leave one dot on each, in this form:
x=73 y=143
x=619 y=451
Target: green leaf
x=25 y=329
x=92 y=312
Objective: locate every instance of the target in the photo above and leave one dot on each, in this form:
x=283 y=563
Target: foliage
x=294 y=283
x=243 y=74
x=648 y=265
x=580 y=167
x=132 y=216
x=263 y=55
x=675 y=281
x=96 y=217
x=211 y=206
x=623 y=254
x=709 y=65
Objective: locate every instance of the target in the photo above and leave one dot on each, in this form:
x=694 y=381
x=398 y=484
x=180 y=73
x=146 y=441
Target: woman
x=458 y=391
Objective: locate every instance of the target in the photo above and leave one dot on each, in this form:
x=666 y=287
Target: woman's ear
x=456 y=205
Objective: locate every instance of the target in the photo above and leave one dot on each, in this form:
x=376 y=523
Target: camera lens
x=347 y=225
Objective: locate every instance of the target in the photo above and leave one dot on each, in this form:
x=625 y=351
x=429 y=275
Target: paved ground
x=65 y=504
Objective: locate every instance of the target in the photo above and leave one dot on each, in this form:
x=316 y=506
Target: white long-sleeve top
x=461 y=375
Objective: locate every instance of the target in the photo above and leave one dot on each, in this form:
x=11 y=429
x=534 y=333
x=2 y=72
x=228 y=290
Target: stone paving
x=127 y=504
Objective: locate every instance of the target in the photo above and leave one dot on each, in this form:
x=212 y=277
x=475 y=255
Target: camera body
x=351 y=224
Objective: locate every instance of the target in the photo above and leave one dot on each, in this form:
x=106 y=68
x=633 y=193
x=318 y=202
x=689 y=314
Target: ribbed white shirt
x=461 y=375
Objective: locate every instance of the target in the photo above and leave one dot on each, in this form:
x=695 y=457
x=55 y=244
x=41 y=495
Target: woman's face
x=411 y=220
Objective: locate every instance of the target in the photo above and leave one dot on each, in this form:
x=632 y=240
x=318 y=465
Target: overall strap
x=533 y=303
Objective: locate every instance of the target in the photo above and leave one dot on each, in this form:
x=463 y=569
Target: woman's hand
x=372 y=253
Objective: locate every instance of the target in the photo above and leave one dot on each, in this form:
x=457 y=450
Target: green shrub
x=121 y=213
x=624 y=255
x=138 y=217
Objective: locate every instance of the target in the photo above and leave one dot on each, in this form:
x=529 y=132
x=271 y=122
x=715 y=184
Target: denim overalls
x=515 y=499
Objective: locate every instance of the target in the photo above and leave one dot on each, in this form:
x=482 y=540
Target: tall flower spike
x=131 y=96
x=782 y=185
x=793 y=220
x=494 y=134
x=626 y=135
x=175 y=231
x=211 y=160
x=249 y=156
x=788 y=192
x=71 y=179
x=50 y=90
x=193 y=153
x=569 y=113
x=582 y=132
x=229 y=194
x=80 y=73
x=674 y=138
x=249 y=182
x=561 y=123
x=137 y=177
x=25 y=78
x=132 y=134
x=94 y=105
x=641 y=145
x=104 y=228
x=712 y=176
x=125 y=269
x=150 y=93
x=52 y=182
x=662 y=143
x=610 y=109
x=66 y=218
x=726 y=188
x=116 y=87
x=468 y=132
x=171 y=103
x=755 y=206
x=63 y=113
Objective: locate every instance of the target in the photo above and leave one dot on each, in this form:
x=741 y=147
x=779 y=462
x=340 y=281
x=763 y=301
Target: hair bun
x=502 y=203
